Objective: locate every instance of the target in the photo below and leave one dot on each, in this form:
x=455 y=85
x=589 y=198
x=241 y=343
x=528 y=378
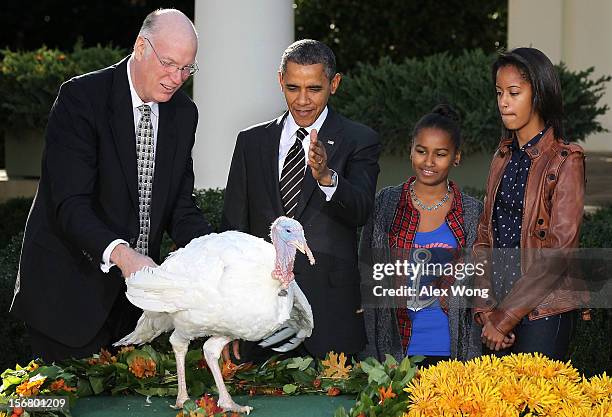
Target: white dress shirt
x=287 y=139
x=106 y=264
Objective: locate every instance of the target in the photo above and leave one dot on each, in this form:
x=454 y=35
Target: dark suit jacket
x=252 y=202
x=88 y=197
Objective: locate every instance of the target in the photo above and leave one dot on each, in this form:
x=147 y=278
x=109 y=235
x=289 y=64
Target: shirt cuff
x=106 y=264
x=329 y=191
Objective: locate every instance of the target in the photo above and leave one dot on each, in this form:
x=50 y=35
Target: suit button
x=540 y=221
x=542 y=233
x=552 y=177
x=563 y=153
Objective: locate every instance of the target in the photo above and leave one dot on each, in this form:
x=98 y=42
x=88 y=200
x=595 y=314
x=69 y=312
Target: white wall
x=240 y=46
x=577 y=32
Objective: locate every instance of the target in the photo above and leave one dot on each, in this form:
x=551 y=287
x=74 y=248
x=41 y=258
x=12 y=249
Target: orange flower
x=142 y=368
x=60 y=385
x=209 y=404
x=229 y=370
x=385 y=393
x=335 y=366
x=30 y=387
x=333 y=391
x=104 y=358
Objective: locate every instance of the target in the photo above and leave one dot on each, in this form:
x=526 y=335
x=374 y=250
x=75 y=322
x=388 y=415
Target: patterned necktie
x=146 y=166
x=293 y=174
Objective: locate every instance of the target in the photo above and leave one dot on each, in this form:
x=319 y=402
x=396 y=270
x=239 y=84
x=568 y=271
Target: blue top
x=430 y=334
x=508 y=217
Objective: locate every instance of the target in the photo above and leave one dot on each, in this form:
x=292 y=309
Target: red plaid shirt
x=403 y=231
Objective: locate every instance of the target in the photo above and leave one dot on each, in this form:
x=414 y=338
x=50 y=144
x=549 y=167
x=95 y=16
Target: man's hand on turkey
x=129 y=261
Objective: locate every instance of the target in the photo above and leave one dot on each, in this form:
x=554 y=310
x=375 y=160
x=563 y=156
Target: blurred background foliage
x=392 y=96
x=366 y=31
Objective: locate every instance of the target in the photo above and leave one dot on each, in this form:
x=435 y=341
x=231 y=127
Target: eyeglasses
x=170 y=68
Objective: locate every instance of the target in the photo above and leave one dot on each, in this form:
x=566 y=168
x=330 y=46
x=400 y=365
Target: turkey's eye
x=288 y=230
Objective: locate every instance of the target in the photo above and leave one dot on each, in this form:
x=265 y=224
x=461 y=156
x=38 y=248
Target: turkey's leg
x=179 y=346
x=212 y=351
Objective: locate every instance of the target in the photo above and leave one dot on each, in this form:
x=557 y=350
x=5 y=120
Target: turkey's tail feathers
x=150 y=325
x=299 y=325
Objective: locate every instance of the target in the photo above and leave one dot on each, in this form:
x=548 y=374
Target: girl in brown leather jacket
x=534 y=204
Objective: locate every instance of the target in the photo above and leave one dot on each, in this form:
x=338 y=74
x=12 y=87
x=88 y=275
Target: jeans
x=549 y=336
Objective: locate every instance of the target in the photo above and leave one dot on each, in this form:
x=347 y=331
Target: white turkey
x=228 y=286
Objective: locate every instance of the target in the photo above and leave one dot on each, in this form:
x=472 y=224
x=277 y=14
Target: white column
x=576 y=32
x=587 y=42
x=537 y=24
x=240 y=46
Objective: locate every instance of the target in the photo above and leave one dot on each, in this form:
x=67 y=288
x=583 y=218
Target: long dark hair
x=536 y=68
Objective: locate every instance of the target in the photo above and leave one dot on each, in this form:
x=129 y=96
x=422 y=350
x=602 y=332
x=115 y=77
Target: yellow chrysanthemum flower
x=522 y=384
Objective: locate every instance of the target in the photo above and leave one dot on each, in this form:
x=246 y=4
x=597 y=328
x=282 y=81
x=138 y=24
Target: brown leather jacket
x=552 y=215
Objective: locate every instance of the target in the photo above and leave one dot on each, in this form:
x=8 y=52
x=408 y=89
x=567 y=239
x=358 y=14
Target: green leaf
x=189 y=406
x=50 y=372
x=304 y=378
x=192 y=357
x=300 y=363
x=97 y=384
x=340 y=412
x=196 y=388
x=289 y=388
x=405 y=364
x=152 y=353
x=379 y=376
x=417 y=359
x=410 y=373
x=390 y=360
x=84 y=388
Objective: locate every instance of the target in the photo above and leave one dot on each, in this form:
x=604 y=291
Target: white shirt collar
x=136 y=100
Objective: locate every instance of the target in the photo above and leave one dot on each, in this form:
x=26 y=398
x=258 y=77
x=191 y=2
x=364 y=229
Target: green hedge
x=591 y=351
x=15 y=347
x=30 y=80
x=13 y=213
x=391 y=97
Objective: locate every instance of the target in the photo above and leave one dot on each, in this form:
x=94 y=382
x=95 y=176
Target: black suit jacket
x=87 y=197
x=252 y=202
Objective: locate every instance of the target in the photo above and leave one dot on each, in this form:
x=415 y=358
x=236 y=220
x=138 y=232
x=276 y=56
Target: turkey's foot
x=229 y=405
x=179 y=402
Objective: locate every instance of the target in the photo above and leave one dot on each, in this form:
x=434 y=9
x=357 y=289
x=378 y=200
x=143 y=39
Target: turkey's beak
x=302 y=246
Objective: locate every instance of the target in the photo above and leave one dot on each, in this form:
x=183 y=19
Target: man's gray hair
x=310 y=52
x=149 y=25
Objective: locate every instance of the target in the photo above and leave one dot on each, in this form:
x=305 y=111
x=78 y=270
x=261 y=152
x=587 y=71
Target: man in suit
x=320 y=168
x=116 y=173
